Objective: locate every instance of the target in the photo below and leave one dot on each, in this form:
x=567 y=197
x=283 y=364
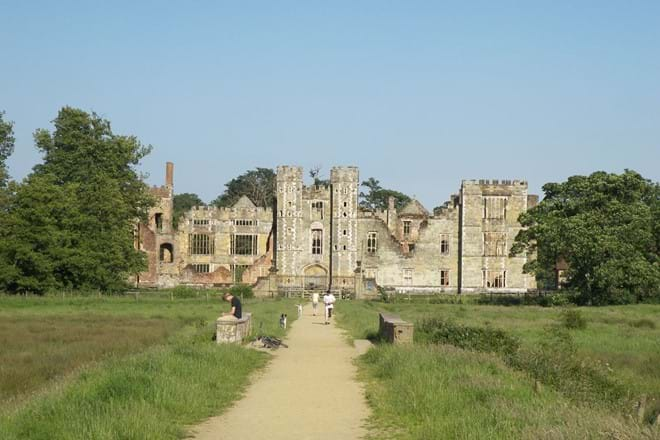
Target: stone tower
x=344 y=240
x=289 y=218
x=488 y=227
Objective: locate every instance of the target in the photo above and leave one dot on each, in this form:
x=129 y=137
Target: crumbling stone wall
x=317 y=236
x=475 y=223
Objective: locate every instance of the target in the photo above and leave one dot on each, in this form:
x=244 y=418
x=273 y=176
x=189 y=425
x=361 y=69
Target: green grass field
x=114 y=367
x=121 y=367
x=440 y=391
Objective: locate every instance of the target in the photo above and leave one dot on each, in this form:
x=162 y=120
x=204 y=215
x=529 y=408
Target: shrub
x=573 y=319
x=469 y=338
x=555 y=362
x=243 y=291
x=185 y=292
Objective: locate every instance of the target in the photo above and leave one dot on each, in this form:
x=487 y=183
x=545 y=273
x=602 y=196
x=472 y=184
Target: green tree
x=183 y=203
x=7 y=190
x=71 y=223
x=376 y=197
x=258 y=185
x=6 y=147
x=606 y=227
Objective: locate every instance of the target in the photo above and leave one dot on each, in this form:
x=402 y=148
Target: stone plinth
x=228 y=329
x=394 y=329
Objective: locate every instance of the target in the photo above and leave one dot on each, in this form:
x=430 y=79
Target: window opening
x=243 y=244
x=317 y=241
x=200 y=244
x=444 y=244
x=372 y=242
x=494 y=278
x=201 y=268
x=444 y=278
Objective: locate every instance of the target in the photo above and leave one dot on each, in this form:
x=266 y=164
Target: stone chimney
x=169 y=174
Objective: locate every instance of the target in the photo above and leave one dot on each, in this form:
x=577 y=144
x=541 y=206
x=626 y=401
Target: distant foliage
x=182 y=291
x=258 y=185
x=376 y=197
x=182 y=204
x=242 y=291
x=556 y=299
x=607 y=229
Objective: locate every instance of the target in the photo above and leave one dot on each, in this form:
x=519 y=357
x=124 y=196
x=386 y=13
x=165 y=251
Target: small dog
x=283 y=320
x=299 y=310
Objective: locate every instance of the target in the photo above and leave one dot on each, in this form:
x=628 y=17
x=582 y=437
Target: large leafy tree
x=182 y=203
x=376 y=197
x=258 y=185
x=71 y=221
x=606 y=227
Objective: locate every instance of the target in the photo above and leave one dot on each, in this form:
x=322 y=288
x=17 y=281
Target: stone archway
x=315 y=277
x=166 y=253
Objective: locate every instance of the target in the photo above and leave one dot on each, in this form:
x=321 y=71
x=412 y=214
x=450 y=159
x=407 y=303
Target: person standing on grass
x=236 y=309
x=315 y=302
x=329 y=301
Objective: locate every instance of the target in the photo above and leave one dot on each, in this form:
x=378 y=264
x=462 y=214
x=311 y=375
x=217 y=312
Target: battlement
x=494 y=182
x=344 y=174
x=215 y=209
x=316 y=191
x=288 y=172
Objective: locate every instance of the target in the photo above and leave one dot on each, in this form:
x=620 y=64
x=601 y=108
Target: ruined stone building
x=318 y=238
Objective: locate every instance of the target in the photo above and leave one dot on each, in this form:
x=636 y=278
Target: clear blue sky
x=417 y=94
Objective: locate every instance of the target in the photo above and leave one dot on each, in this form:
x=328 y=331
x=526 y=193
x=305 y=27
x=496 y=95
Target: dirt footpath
x=308 y=391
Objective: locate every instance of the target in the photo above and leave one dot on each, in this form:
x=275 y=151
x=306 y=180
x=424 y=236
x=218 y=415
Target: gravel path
x=308 y=391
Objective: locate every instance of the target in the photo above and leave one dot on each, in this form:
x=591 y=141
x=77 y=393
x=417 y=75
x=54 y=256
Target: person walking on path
x=329 y=301
x=315 y=303
x=236 y=308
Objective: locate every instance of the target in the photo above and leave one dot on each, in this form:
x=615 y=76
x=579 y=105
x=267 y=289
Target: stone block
x=394 y=329
x=228 y=329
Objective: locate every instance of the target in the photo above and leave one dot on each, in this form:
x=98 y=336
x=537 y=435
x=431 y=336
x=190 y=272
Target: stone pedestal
x=228 y=329
x=394 y=329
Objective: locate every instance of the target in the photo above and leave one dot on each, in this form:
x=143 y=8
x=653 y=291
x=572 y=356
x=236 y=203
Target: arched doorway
x=316 y=277
x=166 y=253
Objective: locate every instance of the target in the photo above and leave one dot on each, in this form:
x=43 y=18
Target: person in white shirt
x=329 y=301
x=315 y=302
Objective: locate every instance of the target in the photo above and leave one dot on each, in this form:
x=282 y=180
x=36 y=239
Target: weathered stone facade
x=317 y=238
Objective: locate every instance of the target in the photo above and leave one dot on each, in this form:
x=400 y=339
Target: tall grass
x=150 y=395
x=153 y=368
x=609 y=361
x=437 y=392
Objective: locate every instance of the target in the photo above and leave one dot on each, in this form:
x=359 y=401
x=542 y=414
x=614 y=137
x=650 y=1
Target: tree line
x=70 y=223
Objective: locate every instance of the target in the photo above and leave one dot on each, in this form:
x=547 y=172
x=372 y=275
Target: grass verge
x=169 y=384
x=440 y=391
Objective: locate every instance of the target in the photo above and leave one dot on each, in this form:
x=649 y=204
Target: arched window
x=166 y=253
